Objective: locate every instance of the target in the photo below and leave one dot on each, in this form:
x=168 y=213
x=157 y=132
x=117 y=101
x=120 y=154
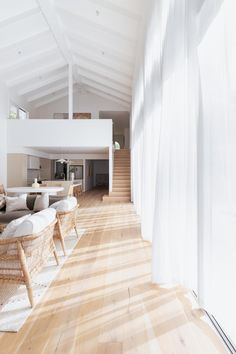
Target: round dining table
x=41 y=190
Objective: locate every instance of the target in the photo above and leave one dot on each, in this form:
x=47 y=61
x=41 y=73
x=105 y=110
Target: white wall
x=35 y=133
x=85 y=103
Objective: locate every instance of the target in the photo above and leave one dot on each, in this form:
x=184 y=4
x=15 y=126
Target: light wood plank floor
x=103 y=300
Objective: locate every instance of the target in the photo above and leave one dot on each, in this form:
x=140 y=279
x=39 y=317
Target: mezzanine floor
x=103 y=300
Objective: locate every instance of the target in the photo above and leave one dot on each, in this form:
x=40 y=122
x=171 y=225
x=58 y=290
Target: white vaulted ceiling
x=40 y=38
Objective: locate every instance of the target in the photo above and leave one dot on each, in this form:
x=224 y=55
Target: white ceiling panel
x=40 y=39
x=21 y=29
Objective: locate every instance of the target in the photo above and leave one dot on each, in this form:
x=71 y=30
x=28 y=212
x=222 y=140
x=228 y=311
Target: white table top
x=42 y=189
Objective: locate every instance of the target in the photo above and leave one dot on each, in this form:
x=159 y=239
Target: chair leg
x=76 y=231
x=61 y=238
x=30 y=293
x=63 y=244
x=27 y=277
x=55 y=253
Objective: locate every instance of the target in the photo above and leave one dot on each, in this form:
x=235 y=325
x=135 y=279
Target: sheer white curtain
x=217 y=168
x=164 y=140
x=184 y=147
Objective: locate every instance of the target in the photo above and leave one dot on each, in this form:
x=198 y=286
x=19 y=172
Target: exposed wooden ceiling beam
x=92 y=74
x=29 y=59
x=21 y=30
x=80 y=23
x=35 y=73
x=107 y=88
x=47 y=92
x=103 y=70
x=105 y=82
x=20 y=16
x=103 y=59
x=109 y=97
x=108 y=92
x=43 y=82
x=84 y=40
x=54 y=97
x=51 y=99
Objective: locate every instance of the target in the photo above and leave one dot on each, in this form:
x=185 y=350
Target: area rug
x=14 y=303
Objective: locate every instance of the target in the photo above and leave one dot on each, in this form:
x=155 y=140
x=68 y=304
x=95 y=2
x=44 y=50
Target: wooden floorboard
x=103 y=302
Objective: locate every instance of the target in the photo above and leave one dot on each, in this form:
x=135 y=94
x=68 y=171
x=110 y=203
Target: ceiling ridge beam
x=48 y=11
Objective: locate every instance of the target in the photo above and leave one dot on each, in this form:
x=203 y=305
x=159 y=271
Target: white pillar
x=70 y=92
x=110 y=167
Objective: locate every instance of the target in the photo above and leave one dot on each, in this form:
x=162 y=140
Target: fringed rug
x=14 y=303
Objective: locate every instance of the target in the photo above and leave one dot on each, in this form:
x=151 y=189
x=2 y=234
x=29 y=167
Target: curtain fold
x=183 y=148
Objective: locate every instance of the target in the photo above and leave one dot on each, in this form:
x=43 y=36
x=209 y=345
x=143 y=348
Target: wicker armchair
x=22 y=257
x=66 y=222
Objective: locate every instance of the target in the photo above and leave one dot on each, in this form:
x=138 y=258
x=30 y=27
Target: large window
x=16 y=112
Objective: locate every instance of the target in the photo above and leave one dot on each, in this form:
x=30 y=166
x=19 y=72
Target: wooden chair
x=66 y=222
x=2 y=190
x=22 y=257
x=77 y=190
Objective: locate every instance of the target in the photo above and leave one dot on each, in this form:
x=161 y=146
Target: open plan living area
x=117 y=177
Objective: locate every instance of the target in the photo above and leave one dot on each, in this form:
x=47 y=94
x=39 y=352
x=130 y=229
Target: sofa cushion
x=65 y=205
x=41 y=202
x=16 y=203
x=12 y=226
x=6 y=218
x=36 y=223
x=9 y=232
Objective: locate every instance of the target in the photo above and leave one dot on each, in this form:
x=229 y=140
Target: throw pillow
x=16 y=203
x=2 y=201
x=36 y=223
x=65 y=204
x=41 y=202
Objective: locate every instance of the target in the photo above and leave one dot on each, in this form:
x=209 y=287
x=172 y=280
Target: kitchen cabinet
x=33 y=163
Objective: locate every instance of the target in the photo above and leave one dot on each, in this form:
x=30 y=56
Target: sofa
x=7 y=217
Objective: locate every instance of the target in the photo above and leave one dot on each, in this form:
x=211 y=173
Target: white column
x=70 y=92
x=110 y=167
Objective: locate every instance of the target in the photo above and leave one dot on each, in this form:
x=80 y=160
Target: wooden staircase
x=121 y=178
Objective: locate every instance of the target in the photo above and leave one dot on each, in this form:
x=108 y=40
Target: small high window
x=16 y=112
